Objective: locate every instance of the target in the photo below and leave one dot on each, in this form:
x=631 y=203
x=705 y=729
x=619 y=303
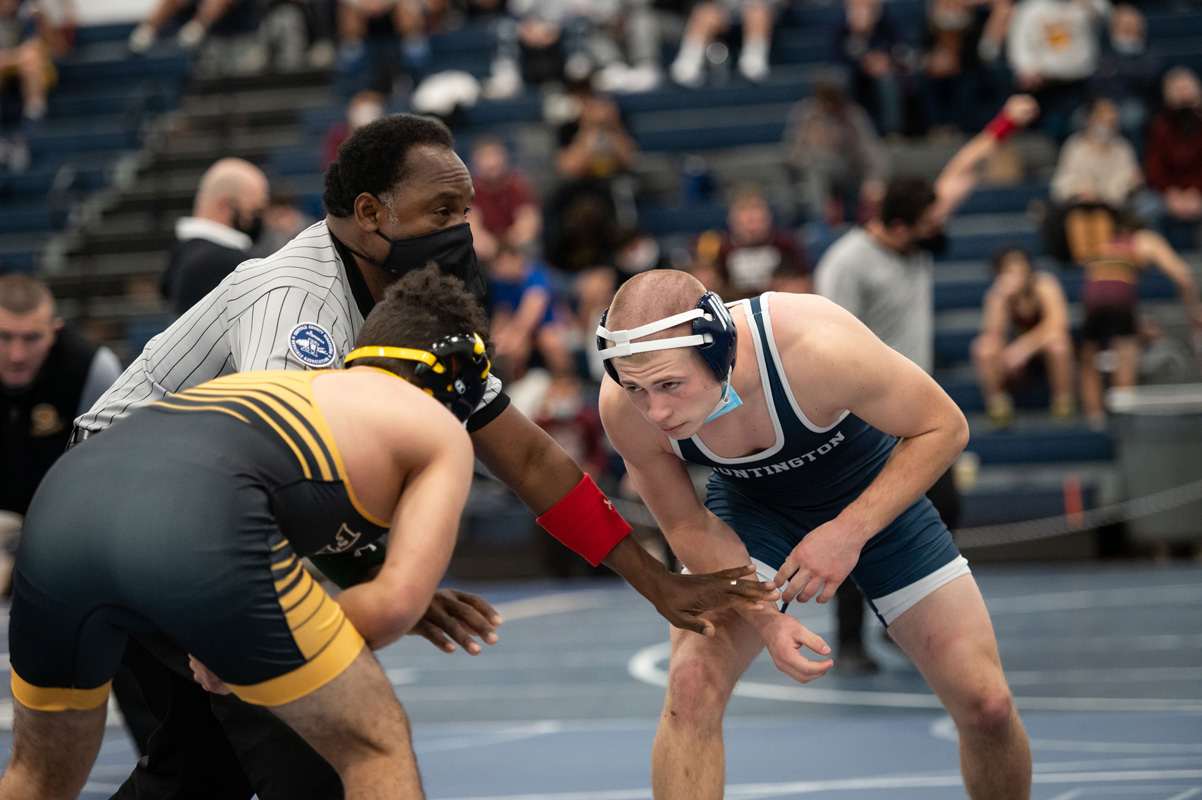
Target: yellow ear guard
x=453 y=371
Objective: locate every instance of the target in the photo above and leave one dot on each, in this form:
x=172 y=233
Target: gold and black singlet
x=189 y=517
x=311 y=499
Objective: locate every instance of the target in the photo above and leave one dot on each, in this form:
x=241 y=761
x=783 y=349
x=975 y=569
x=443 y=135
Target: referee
x=396 y=199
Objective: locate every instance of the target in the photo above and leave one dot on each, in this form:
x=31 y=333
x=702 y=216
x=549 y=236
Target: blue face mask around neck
x=728 y=402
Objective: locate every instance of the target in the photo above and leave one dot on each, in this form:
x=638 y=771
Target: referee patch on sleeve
x=312 y=344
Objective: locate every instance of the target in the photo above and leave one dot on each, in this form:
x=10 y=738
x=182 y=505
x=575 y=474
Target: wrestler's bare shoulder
x=808 y=322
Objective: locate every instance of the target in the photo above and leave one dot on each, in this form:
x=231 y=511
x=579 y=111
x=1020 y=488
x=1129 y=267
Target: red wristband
x=1001 y=126
x=585 y=521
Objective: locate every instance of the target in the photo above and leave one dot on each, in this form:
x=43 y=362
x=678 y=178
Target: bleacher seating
x=97 y=113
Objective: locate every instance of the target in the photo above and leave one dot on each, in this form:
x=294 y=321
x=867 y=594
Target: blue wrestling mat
x=1105 y=663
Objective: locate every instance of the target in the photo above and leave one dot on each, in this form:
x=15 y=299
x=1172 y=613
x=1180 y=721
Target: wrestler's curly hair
x=418 y=310
x=374 y=158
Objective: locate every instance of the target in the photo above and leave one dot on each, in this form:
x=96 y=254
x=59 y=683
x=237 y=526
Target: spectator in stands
x=1053 y=50
x=522 y=319
x=24 y=58
x=649 y=26
x=1127 y=73
x=227 y=216
x=57 y=21
x=1097 y=170
x=49 y=374
x=637 y=251
x=952 y=75
x=321 y=18
x=595 y=154
x=1025 y=326
x=283 y=220
x=552 y=41
x=1109 y=296
x=505 y=208
x=204 y=14
x=1173 y=161
x=365 y=106
x=995 y=30
x=868 y=43
x=285 y=32
x=753 y=255
x=574 y=423
x=712 y=18
x=882 y=273
x=385 y=38
x=837 y=155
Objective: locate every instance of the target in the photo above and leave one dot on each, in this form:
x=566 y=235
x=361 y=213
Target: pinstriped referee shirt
x=294 y=309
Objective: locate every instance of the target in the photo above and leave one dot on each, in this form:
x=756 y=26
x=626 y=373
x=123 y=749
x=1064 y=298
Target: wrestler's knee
x=1060 y=347
x=698 y=690
x=985 y=347
x=989 y=713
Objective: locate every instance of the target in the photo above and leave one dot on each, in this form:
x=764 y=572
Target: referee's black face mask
x=450 y=248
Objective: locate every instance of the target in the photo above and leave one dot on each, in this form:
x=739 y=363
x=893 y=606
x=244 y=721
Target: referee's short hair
x=373 y=158
x=418 y=310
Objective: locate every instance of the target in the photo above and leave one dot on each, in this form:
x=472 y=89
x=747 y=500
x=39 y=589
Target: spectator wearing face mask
x=1097 y=171
x=1127 y=73
x=952 y=75
x=1173 y=160
x=227 y=216
x=366 y=106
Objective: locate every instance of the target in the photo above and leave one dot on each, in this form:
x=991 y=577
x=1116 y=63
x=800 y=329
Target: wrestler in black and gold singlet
x=192 y=527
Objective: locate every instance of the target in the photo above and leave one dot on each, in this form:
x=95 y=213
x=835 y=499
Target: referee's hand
x=455 y=617
x=690 y=596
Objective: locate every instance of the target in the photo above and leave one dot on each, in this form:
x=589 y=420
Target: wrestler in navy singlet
x=810 y=474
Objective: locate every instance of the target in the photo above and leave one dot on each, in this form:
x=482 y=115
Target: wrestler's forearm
x=707 y=545
x=376 y=616
x=914 y=466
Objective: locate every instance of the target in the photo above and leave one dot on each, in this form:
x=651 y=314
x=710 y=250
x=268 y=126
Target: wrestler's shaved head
x=652 y=296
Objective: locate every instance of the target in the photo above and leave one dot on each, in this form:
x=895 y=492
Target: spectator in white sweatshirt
x=1053 y=48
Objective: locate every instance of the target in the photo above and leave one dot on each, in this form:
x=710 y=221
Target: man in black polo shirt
x=48 y=376
x=227 y=216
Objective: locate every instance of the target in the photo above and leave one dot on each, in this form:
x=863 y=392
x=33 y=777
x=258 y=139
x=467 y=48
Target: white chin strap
x=623 y=346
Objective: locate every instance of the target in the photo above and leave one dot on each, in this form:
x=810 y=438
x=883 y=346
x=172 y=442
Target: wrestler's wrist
x=762 y=620
x=645 y=574
x=1002 y=126
x=857 y=526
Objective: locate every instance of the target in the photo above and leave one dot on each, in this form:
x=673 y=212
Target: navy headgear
x=713 y=335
